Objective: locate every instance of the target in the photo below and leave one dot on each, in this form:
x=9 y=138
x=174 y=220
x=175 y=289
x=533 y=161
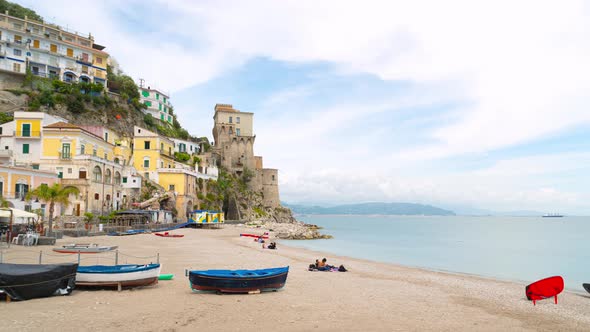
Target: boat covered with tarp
x=29 y=281
x=128 y=275
x=239 y=281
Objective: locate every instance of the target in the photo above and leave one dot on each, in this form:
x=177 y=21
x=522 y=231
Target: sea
x=522 y=249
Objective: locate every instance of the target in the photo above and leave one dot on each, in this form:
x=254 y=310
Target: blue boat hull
x=239 y=281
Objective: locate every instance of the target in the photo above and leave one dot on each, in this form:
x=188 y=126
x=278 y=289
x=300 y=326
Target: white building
x=181 y=145
x=21 y=140
x=50 y=51
x=158 y=104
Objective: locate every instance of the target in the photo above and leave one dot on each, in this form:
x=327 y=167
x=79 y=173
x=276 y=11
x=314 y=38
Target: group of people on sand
x=272 y=245
x=324 y=266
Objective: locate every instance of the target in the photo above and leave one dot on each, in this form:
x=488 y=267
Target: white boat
x=83 y=248
x=118 y=275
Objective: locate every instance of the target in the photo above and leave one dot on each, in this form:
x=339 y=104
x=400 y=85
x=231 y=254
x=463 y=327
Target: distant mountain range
x=372 y=208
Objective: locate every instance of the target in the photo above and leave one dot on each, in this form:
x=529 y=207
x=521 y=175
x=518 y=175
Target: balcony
x=167 y=153
x=65 y=156
x=27 y=134
x=86 y=61
x=75 y=182
x=5 y=153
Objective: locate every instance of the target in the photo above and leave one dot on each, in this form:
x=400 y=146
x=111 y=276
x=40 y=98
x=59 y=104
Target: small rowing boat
x=118 y=275
x=166 y=234
x=84 y=248
x=265 y=236
x=239 y=281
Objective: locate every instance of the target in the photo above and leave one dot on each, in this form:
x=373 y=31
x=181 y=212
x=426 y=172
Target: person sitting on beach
x=272 y=245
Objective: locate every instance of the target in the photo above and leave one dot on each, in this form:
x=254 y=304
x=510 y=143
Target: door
x=65 y=151
x=26 y=130
x=78 y=210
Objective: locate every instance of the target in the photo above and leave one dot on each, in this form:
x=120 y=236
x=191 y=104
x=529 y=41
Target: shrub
x=181 y=156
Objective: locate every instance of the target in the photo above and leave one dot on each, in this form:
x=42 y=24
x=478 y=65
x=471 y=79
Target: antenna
x=141 y=80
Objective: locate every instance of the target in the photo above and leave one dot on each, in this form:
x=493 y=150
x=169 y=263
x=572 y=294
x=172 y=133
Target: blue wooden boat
x=239 y=281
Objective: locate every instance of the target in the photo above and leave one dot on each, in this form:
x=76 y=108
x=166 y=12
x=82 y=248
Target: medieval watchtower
x=234 y=146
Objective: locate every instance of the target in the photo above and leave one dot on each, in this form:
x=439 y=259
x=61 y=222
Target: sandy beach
x=371 y=296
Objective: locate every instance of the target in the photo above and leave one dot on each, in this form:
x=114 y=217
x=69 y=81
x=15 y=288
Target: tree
x=52 y=195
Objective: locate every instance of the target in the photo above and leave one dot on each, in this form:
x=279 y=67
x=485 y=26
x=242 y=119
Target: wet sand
x=371 y=296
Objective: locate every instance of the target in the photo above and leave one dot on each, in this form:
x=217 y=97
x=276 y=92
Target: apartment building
x=157 y=103
x=50 y=51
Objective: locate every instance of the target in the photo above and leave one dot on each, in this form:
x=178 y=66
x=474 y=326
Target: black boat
x=239 y=281
x=29 y=281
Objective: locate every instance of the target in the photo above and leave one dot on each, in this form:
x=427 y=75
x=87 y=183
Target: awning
x=16 y=213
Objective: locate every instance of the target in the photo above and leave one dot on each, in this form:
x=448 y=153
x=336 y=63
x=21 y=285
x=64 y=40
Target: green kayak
x=166 y=277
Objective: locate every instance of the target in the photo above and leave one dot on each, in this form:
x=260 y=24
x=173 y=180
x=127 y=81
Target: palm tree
x=52 y=195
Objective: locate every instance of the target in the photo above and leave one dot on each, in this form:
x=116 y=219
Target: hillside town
x=139 y=168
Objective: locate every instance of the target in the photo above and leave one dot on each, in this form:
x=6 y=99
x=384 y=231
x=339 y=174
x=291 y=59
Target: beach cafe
x=16 y=224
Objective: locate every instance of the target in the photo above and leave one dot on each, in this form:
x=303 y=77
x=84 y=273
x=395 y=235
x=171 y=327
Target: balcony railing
x=65 y=156
x=27 y=133
x=167 y=153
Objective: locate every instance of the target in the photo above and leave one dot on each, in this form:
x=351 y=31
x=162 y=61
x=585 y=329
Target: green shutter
x=161 y=116
x=164 y=99
x=25 y=148
x=157 y=96
x=124 y=179
x=145 y=93
x=160 y=106
x=169 y=118
x=148 y=103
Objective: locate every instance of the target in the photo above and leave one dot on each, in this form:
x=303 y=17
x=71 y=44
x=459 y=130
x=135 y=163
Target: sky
x=458 y=104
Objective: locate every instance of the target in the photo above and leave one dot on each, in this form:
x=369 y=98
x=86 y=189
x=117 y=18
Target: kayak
x=166 y=277
x=265 y=236
x=168 y=235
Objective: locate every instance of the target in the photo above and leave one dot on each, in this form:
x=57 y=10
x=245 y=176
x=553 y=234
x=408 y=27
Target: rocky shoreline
x=290 y=231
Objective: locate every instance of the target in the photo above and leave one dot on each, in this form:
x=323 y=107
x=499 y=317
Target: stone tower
x=234 y=146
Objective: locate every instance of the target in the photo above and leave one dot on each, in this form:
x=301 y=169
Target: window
x=230 y=120
x=84 y=69
x=146 y=174
x=26 y=130
x=85 y=57
x=16 y=67
x=97 y=172
x=171 y=187
x=82 y=149
x=146 y=163
x=146 y=145
x=65 y=151
x=106 y=156
x=36 y=43
x=145 y=94
x=162 y=117
x=35 y=166
x=82 y=173
x=159 y=106
x=124 y=179
x=238 y=131
x=53 y=48
x=18 y=39
x=237 y=119
x=273 y=177
x=106 y=137
x=157 y=96
x=17 y=52
x=99 y=60
x=96 y=196
x=94 y=152
x=26 y=149
x=164 y=99
x=70 y=170
x=0 y=130
x=148 y=103
x=169 y=118
x=70 y=52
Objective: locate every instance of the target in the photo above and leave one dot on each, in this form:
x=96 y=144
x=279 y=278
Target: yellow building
x=16 y=182
x=151 y=152
x=85 y=160
x=183 y=183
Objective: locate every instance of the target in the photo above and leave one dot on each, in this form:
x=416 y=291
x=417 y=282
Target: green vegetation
x=182 y=156
x=88 y=217
x=19 y=11
x=4 y=118
x=52 y=195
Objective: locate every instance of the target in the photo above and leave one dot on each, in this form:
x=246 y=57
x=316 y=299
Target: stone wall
x=11 y=80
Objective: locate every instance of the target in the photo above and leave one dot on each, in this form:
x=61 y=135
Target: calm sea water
x=511 y=248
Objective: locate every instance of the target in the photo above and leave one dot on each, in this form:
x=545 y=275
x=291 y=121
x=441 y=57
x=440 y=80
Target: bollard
x=158 y=259
x=40 y=256
x=116 y=257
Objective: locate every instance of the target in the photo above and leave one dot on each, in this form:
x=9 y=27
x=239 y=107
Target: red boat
x=265 y=236
x=544 y=288
x=166 y=234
